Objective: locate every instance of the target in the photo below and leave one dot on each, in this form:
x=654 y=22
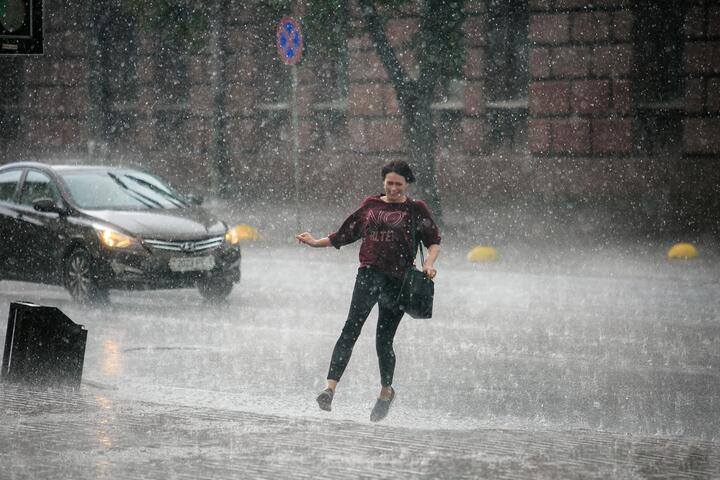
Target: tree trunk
x=221 y=166
x=422 y=140
x=97 y=81
x=415 y=99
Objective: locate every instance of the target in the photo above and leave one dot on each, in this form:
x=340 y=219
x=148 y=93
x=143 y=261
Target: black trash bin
x=43 y=347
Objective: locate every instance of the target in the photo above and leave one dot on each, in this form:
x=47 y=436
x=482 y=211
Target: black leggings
x=371 y=287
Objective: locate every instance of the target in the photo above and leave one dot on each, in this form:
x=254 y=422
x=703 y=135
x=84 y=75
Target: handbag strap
x=415 y=243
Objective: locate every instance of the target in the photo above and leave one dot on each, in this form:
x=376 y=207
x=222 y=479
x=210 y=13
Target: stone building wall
x=578 y=131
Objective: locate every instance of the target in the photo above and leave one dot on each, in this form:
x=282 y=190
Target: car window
x=37 y=185
x=8 y=184
x=126 y=190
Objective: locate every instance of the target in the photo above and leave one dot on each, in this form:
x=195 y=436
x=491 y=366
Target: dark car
x=94 y=228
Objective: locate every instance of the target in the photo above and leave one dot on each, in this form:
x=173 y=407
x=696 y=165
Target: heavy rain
x=166 y=167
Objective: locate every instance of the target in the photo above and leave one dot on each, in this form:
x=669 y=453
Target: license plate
x=192 y=264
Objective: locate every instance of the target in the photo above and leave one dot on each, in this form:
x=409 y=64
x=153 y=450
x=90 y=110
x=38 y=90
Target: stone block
x=712 y=104
x=713 y=23
x=695 y=22
x=241 y=67
x=540 y=5
x=392 y=107
x=594 y=5
x=622 y=26
x=144 y=69
x=305 y=99
x=622 y=99
x=75 y=43
x=702 y=57
x=474 y=98
x=473 y=134
x=201 y=136
x=539 y=62
x=474 y=63
x=241 y=99
x=702 y=136
x=570 y=62
x=401 y=31
x=539 y=135
x=612 y=136
x=591 y=96
x=55 y=132
x=607 y=4
x=549 y=29
x=475 y=28
x=570 y=4
x=76 y=101
x=240 y=135
x=570 y=136
x=360 y=42
x=364 y=66
x=613 y=61
x=202 y=99
x=366 y=99
x=376 y=135
x=694 y=95
x=548 y=98
x=43 y=101
x=475 y=6
x=590 y=27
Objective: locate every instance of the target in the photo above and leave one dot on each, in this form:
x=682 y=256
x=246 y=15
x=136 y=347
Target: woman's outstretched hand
x=306 y=238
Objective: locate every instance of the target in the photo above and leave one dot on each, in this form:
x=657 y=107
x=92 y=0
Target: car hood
x=175 y=224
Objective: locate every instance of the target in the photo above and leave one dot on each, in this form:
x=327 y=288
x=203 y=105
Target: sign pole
x=290 y=48
x=295 y=127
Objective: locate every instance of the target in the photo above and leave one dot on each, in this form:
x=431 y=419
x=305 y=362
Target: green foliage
x=440 y=42
x=182 y=23
x=326 y=28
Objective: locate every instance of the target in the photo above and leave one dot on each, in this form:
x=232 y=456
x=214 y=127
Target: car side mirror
x=47 y=205
x=195 y=198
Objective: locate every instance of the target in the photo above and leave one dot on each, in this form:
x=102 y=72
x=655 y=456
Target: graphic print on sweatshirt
x=384 y=226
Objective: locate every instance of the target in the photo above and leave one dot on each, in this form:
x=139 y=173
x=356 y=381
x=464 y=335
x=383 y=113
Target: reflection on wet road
x=599 y=369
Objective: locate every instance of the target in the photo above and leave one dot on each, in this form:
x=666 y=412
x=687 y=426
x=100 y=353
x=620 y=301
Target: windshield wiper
x=144 y=199
x=172 y=198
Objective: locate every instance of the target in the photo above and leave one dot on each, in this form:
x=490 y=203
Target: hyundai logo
x=187 y=247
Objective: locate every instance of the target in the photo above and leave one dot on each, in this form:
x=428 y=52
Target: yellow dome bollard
x=246 y=232
x=482 y=254
x=682 y=251
x=241 y=232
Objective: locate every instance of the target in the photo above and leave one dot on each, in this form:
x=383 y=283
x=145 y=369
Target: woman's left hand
x=430 y=271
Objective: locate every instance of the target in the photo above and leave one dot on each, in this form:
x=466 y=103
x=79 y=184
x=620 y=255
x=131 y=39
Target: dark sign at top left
x=21 y=28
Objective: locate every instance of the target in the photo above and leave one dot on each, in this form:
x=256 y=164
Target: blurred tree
x=191 y=26
x=439 y=52
x=438 y=48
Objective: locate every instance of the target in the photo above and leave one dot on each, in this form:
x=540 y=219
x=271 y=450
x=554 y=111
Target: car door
x=9 y=180
x=42 y=235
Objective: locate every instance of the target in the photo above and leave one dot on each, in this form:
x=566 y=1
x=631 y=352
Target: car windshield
x=120 y=190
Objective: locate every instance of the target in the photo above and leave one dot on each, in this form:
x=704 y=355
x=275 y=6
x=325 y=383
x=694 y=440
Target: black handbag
x=417 y=290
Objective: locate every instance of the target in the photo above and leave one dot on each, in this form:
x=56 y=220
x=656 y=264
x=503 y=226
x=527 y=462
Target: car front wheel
x=215 y=289
x=80 y=279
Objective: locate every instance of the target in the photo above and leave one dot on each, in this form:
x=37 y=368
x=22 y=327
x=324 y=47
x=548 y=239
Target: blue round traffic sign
x=289 y=40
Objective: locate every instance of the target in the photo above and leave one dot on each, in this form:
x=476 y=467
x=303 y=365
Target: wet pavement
x=600 y=364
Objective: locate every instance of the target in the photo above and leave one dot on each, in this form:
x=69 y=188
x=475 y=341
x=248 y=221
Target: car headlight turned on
x=113 y=239
x=239 y=233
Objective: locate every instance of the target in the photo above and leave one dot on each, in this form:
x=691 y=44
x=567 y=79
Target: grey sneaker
x=325 y=398
x=382 y=407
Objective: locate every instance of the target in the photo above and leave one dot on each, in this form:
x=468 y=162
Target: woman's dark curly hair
x=400 y=167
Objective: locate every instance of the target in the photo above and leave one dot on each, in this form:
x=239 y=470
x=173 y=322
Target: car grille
x=187 y=246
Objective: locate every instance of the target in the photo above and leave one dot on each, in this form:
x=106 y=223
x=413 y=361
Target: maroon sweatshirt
x=385 y=232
